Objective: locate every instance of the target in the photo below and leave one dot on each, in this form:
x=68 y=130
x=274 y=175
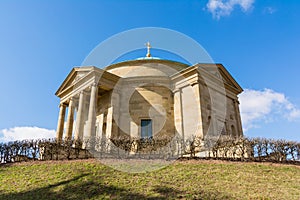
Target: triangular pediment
x=222 y=74
x=74 y=76
x=80 y=77
x=228 y=79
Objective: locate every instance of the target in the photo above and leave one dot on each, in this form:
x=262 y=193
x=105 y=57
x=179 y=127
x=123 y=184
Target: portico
x=78 y=102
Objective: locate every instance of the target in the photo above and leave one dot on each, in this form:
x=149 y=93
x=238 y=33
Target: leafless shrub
x=224 y=147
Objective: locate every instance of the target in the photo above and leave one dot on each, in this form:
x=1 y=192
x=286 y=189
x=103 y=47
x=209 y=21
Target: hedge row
x=257 y=149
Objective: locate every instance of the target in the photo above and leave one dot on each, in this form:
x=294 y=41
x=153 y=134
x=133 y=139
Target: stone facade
x=173 y=98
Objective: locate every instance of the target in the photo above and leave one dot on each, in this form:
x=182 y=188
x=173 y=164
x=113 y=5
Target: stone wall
x=156 y=103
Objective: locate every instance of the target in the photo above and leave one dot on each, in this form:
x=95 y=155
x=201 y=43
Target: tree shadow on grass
x=171 y=193
x=74 y=190
x=89 y=189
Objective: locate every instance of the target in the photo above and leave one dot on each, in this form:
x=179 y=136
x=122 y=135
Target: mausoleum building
x=149 y=97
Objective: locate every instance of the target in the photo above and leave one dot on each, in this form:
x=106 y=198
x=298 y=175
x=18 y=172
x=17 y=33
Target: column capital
x=74 y=98
x=177 y=90
x=198 y=82
x=195 y=83
x=71 y=101
x=236 y=101
x=79 y=93
x=94 y=84
x=62 y=105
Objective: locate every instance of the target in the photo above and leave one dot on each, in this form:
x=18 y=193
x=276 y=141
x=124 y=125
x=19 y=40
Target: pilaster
x=198 y=114
x=178 y=114
x=238 y=117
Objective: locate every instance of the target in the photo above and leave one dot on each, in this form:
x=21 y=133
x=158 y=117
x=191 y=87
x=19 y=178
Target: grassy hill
x=89 y=179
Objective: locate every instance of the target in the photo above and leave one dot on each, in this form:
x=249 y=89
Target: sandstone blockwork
x=149 y=98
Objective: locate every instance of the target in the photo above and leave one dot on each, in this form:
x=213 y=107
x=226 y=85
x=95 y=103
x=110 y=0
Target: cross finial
x=148 y=49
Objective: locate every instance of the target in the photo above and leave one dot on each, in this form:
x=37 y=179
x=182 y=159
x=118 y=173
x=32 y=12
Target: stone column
x=79 y=117
x=70 y=119
x=178 y=115
x=197 y=93
x=91 y=123
x=61 y=121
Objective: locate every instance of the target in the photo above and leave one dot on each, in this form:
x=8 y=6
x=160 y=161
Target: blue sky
x=257 y=41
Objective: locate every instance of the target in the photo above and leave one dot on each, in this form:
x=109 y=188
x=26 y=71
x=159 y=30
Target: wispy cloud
x=220 y=8
x=21 y=133
x=269 y=10
x=265 y=105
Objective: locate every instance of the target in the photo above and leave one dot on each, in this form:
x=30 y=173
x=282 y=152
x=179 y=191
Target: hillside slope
x=89 y=179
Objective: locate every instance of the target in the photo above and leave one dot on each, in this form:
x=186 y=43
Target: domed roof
x=148 y=66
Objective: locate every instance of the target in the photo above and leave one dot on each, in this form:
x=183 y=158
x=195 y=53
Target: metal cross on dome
x=148 y=49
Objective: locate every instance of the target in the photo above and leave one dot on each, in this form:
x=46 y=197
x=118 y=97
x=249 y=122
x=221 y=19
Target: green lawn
x=89 y=179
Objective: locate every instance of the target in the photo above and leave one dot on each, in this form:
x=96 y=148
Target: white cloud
x=221 y=8
x=265 y=105
x=21 y=133
x=269 y=10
